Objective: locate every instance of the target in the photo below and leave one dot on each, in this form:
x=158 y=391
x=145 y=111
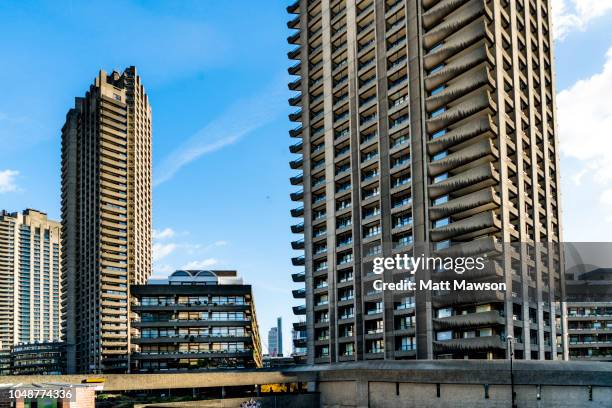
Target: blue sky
x=215 y=72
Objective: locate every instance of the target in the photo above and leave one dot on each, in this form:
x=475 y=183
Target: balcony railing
x=298 y=261
x=297 y=196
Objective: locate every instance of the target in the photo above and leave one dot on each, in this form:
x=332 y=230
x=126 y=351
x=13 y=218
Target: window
x=440 y=200
x=445 y=335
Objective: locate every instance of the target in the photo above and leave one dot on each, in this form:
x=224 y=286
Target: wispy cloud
x=160 y=251
x=163 y=234
x=575 y=15
x=7 y=180
x=206 y=263
x=236 y=122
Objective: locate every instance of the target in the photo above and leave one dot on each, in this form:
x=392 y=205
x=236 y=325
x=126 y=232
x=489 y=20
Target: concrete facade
x=448 y=383
x=30 y=278
x=425 y=127
x=197 y=321
x=106 y=218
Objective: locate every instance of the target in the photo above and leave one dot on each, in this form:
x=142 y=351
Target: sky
x=215 y=73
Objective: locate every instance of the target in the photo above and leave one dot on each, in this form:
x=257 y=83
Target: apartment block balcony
x=297 y=180
x=299 y=310
x=294 y=39
x=299 y=342
x=296 y=116
x=297 y=212
x=295 y=85
x=478 y=224
x=296 y=132
x=296 y=100
x=297 y=196
x=294 y=54
x=297 y=228
x=296 y=164
x=489 y=318
x=299 y=326
x=470 y=344
x=296 y=148
x=294 y=8
x=298 y=261
x=299 y=244
x=299 y=293
x=457 y=298
x=298 y=277
x=294 y=23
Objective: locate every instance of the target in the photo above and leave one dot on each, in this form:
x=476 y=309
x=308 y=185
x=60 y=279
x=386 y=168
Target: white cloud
x=240 y=119
x=585 y=123
x=606 y=197
x=572 y=15
x=161 y=251
x=159 y=270
x=163 y=234
x=7 y=180
x=206 y=263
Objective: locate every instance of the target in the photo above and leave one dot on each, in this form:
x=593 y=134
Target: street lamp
x=510 y=341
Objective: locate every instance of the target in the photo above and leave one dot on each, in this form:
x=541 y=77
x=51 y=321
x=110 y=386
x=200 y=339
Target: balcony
x=294 y=39
x=293 y=23
x=297 y=180
x=296 y=164
x=469 y=320
x=468 y=344
x=296 y=148
x=299 y=244
x=298 y=261
x=295 y=85
x=294 y=54
x=297 y=212
x=299 y=326
x=294 y=8
x=296 y=132
x=296 y=116
x=299 y=293
x=299 y=342
x=299 y=310
x=297 y=196
x=298 y=277
x=297 y=228
x=296 y=100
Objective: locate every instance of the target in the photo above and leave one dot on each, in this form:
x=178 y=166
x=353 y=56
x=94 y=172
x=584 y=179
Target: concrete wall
x=346 y=394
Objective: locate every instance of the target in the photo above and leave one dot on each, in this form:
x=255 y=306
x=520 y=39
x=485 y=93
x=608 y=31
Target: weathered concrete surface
x=463 y=372
x=126 y=382
x=450 y=384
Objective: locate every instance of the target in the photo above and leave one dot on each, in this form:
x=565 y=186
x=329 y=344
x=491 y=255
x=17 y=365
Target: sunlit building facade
x=424 y=123
x=106 y=218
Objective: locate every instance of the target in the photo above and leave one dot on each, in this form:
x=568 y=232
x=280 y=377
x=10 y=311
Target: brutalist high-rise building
x=30 y=278
x=106 y=218
x=431 y=123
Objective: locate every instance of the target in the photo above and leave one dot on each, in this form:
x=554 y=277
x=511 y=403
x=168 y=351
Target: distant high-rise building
x=273 y=342
x=279 y=329
x=106 y=218
x=30 y=278
x=425 y=123
x=275 y=339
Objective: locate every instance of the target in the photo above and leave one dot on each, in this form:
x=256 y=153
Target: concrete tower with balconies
x=425 y=123
x=106 y=219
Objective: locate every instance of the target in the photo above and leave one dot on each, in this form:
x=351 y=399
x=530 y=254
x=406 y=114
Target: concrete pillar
x=362 y=391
